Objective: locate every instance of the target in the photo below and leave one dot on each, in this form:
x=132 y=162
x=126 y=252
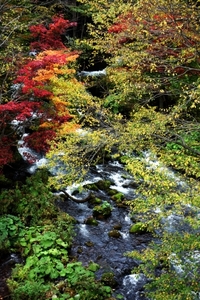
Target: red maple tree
x=33 y=78
x=50 y=37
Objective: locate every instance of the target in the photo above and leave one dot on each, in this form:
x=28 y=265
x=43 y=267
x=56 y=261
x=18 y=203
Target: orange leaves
x=59 y=104
x=67 y=128
x=52 y=62
x=44 y=75
x=36 y=78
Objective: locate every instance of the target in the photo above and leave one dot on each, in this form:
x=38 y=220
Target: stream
x=93 y=243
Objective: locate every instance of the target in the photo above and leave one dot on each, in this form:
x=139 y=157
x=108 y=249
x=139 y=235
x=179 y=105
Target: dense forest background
x=145 y=98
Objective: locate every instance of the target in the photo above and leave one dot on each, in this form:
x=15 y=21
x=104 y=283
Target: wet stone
x=93 y=243
x=114 y=233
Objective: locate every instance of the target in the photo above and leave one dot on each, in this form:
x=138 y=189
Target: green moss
x=91 y=186
x=112 y=192
x=95 y=201
x=102 y=211
x=108 y=278
x=138 y=228
x=103 y=185
x=91 y=221
x=118 y=197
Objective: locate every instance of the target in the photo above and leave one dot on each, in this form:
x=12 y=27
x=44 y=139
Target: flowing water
x=93 y=243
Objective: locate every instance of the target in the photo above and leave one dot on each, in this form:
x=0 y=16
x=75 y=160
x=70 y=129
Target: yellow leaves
x=46 y=125
x=42 y=54
x=52 y=69
x=47 y=74
x=76 y=150
x=71 y=91
x=67 y=128
x=59 y=104
x=72 y=58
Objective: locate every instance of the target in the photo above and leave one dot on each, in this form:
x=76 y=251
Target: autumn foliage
x=169 y=39
x=34 y=105
x=51 y=37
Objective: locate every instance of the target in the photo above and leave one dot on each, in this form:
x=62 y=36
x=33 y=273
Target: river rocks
x=117 y=226
x=107 y=243
x=108 y=278
x=114 y=233
x=118 y=197
x=91 y=221
x=102 y=211
x=138 y=228
x=103 y=185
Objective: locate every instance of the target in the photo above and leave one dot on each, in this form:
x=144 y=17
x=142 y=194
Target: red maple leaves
x=51 y=37
x=33 y=79
x=166 y=38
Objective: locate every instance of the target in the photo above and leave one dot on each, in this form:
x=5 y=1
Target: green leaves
x=10 y=227
x=177 y=257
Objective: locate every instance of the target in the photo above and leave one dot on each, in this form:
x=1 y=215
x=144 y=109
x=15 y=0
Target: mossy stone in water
x=121 y=204
x=91 y=186
x=138 y=228
x=89 y=244
x=118 y=197
x=102 y=211
x=108 y=279
x=91 y=221
x=80 y=250
x=117 y=226
x=95 y=201
x=103 y=185
x=112 y=192
x=114 y=233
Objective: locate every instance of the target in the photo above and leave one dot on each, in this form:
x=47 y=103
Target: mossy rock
x=91 y=186
x=89 y=244
x=102 y=211
x=103 y=185
x=95 y=201
x=119 y=197
x=112 y=192
x=138 y=228
x=117 y=226
x=91 y=221
x=121 y=205
x=80 y=250
x=114 y=233
x=108 y=278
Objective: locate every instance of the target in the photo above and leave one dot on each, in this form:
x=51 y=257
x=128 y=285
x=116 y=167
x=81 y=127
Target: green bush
x=172 y=267
x=33 y=201
x=10 y=227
